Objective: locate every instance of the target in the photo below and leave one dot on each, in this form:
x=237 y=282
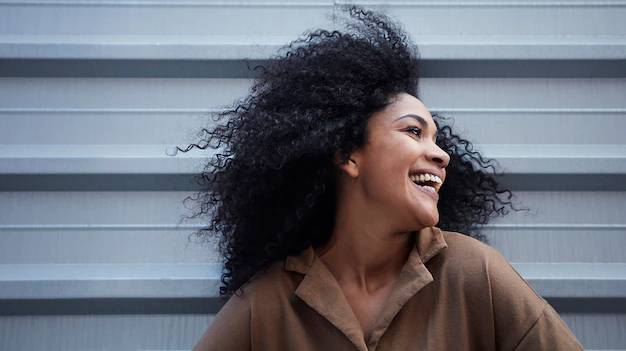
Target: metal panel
x=173 y=39
x=101 y=243
x=91 y=122
x=104 y=105
x=600 y=331
x=130 y=332
x=154 y=159
x=93 y=93
x=170 y=126
x=524 y=18
x=99 y=281
x=76 y=227
x=562 y=242
x=177 y=47
x=118 y=94
x=134 y=20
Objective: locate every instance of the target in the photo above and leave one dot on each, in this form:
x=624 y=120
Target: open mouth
x=428 y=181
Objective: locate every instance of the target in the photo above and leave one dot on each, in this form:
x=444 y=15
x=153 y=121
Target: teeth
x=425 y=178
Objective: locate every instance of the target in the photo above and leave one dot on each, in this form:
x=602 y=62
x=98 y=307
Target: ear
x=349 y=166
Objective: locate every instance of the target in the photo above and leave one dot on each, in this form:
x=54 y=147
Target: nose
x=438 y=156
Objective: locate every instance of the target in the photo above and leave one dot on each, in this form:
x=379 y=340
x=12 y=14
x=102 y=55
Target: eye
x=415 y=130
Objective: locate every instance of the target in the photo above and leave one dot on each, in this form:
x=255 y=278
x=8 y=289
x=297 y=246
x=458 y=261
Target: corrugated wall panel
x=165 y=111
x=93 y=95
x=91 y=221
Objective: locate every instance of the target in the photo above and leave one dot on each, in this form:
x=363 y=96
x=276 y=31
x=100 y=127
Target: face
x=401 y=151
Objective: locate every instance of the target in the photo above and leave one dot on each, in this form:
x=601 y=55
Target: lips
x=430 y=191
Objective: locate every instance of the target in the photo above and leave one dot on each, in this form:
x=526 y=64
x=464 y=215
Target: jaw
x=424 y=207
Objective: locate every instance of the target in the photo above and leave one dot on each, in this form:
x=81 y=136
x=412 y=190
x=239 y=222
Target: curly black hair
x=269 y=187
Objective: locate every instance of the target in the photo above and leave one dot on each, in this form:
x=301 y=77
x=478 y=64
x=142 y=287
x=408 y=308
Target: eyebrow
x=420 y=119
x=416 y=117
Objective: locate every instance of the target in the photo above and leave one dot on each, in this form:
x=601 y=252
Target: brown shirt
x=453 y=293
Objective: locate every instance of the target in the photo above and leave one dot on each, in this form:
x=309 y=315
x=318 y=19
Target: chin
x=430 y=221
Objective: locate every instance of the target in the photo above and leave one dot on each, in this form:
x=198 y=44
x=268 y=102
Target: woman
x=326 y=195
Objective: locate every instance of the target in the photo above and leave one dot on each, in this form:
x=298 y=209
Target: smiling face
x=399 y=152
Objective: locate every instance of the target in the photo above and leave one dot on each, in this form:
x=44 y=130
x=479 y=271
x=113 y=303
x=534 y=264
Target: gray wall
x=93 y=94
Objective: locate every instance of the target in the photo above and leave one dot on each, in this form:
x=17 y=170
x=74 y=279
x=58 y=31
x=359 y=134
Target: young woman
x=337 y=197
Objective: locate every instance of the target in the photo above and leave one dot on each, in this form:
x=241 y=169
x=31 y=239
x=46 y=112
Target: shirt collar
x=428 y=242
x=320 y=290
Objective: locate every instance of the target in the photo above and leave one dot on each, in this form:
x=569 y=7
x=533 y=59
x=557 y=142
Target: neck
x=361 y=252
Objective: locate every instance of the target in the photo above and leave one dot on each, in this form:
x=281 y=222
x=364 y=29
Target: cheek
x=378 y=182
x=388 y=176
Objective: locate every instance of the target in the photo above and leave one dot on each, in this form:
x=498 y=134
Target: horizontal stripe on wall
x=103 y=246
x=145 y=227
x=291 y=20
x=200 y=94
x=213 y=53
x=567 y=244
x=56 y=281
x=103 y=332
x=172 y=3
x=247 y=3
x=129 y=244
x=177 y=126
x=160 y=159
x=203 y=94
x=151 y=167
x=545 y=68
x=162 y=210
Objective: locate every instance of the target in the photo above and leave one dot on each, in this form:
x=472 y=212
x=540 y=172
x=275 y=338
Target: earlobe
x=349 y=167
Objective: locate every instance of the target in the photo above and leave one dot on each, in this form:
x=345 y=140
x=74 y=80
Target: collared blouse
x=453 y=293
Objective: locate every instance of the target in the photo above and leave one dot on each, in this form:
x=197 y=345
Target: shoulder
x=273 y=285
x=468 y=257
x=464 y=247
x=522 y=319
x=231 y=327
